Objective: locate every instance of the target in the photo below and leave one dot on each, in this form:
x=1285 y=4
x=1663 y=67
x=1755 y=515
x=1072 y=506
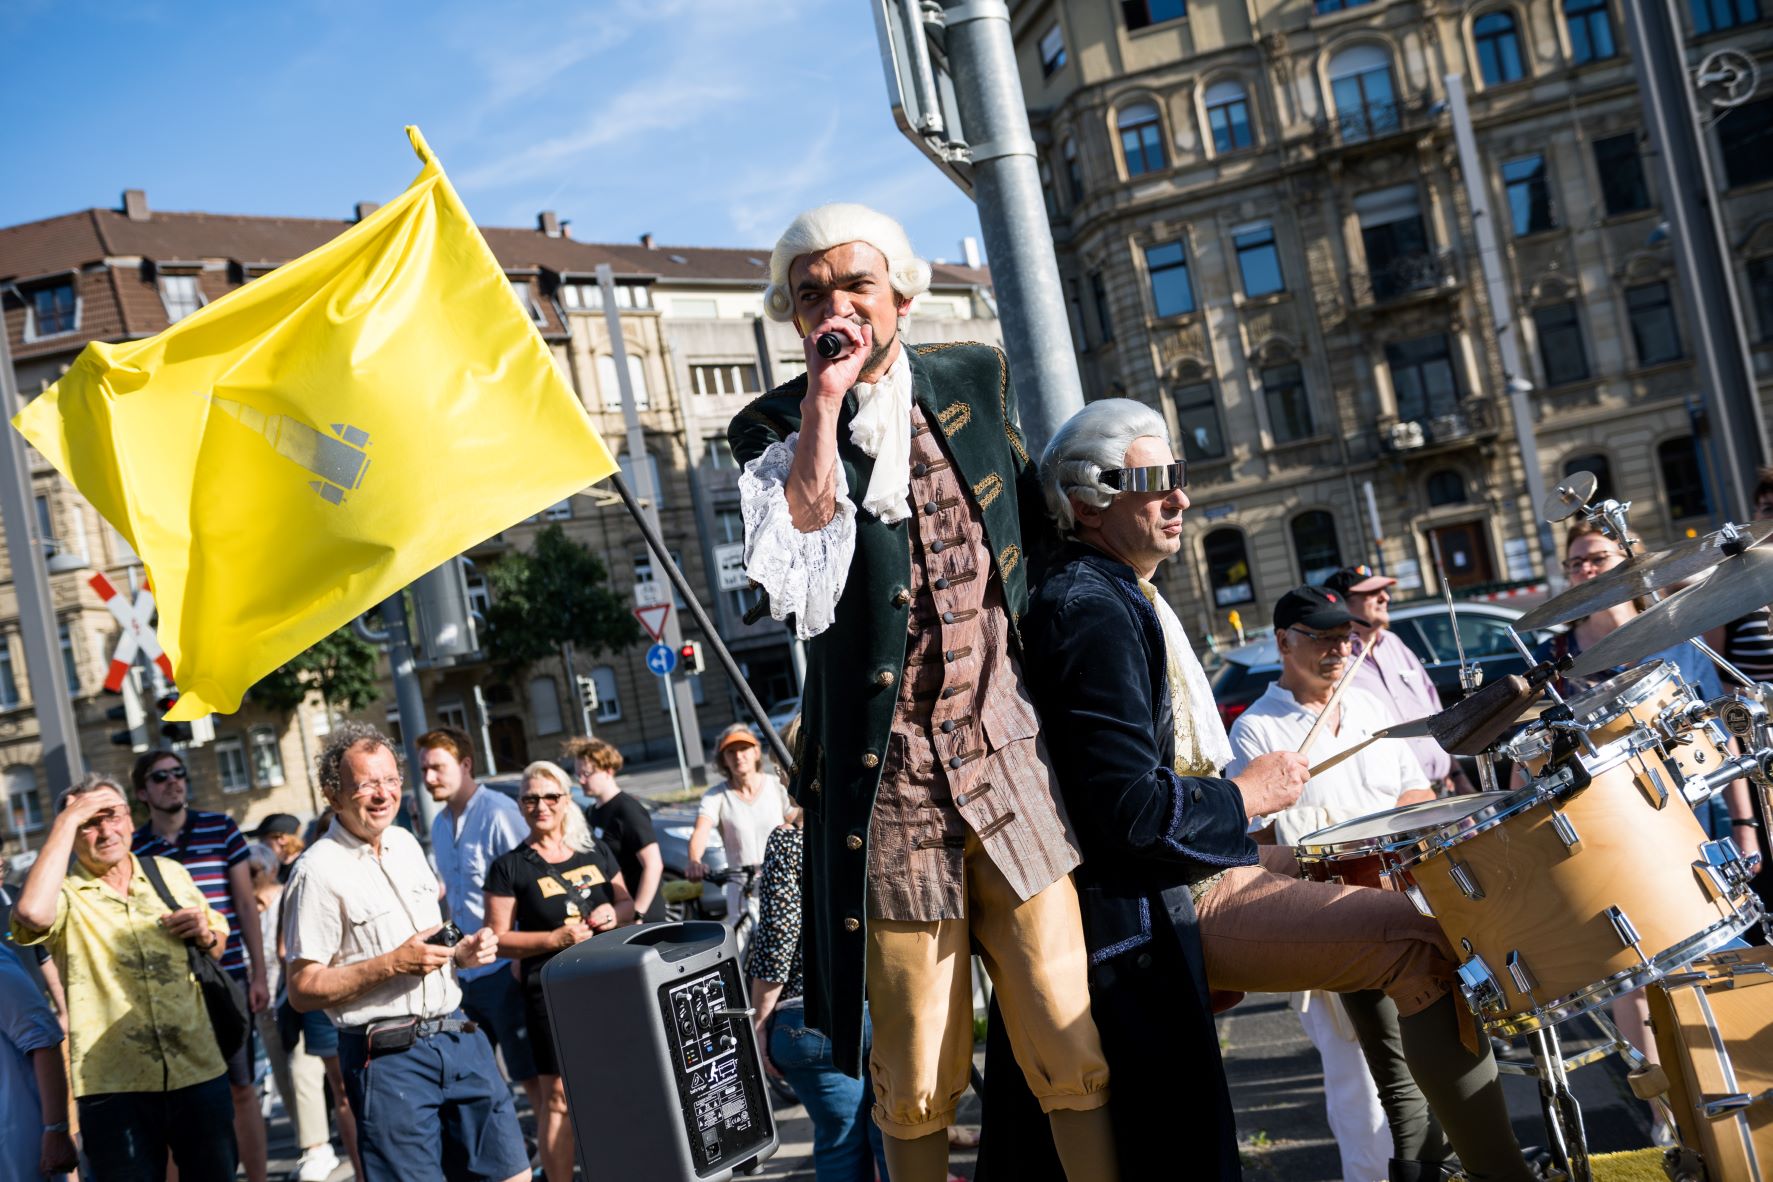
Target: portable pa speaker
x=652 y=1031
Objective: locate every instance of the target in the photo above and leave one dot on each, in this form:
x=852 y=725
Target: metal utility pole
x=1508 y=342
x=57 y=730
x=409 y=699
x=1701 y=255
x=957 y=95
x=681 y=697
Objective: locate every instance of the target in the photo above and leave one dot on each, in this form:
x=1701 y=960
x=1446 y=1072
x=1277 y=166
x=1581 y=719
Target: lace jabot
x=803 y=573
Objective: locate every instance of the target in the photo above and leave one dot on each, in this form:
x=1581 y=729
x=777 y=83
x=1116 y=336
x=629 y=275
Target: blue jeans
x=843 y=1131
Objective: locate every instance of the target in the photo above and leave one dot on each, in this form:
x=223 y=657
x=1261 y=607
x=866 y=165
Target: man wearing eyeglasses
x=1356 y=1034
x=210 y=846
x=1391 y=672
x=1174 y=891
x=365 y=944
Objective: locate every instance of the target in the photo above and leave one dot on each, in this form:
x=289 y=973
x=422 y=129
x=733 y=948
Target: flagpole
x=700 y=615
x=57 y=730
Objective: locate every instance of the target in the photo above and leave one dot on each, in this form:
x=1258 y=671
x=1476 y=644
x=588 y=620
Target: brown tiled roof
x=126 y=303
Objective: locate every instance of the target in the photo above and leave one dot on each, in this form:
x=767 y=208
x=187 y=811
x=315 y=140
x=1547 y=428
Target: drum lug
x=1520 y=974
x=1482 y=993
x=1464 y=879
x=1721 y=868
x=1649 y=780
x=1566 y=831
x=1736 y=1102
x=1624 y=929
x=1418 y=899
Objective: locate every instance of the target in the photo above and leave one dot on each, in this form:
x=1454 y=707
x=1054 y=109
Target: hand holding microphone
x=831 y=346
x=837 y=349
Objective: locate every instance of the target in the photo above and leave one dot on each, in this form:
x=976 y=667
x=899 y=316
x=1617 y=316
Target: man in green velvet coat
x=885 y=496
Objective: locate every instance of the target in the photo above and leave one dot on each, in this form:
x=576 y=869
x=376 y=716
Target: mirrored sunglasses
x=1156 y=478
x=164 y=774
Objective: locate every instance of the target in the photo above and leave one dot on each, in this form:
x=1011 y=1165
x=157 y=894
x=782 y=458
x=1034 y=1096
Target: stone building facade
x=1263 y=230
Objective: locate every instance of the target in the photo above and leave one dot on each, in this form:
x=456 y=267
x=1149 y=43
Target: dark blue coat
x=1097 y=668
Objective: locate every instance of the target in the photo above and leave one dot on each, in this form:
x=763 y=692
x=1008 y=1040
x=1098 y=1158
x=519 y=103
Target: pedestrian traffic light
x=690 y=657
x=135 y=720
x=588 y=691
x=171 y=732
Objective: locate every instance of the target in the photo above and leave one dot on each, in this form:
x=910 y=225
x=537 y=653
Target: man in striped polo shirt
x=210 y=846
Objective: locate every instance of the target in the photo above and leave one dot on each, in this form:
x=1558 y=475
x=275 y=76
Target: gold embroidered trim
x=1007 y=558
x=1003 y=407
x=953 y=417
x=988 y=489
x=757 y=416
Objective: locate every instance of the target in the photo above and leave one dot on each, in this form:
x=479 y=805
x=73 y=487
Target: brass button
x=853 y=841
x=956 y=761
x=870 y=759
x=920 y=469
x=948 y=727
x=852 y=924
x=941 y=584
x=960 y=801
x=901 y=597
x=938 y=546
x=884 y=677
x=930 y=508
x=948 y=617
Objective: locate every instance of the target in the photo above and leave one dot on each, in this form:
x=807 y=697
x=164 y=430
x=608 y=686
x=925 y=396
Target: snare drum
x=1364 y=851
x=1555 y=909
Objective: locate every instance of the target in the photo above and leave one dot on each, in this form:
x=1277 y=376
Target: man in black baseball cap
x=1317 y=608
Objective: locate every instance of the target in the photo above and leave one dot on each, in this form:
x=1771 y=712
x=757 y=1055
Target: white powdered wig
x=833 y=225
x=1092 y=441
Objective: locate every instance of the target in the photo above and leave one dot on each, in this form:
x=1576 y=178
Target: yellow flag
x=302 y=448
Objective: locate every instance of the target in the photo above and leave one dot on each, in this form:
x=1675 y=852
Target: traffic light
x=171 y=732
x=587 y=691
x=690 y=657
x=134 y=718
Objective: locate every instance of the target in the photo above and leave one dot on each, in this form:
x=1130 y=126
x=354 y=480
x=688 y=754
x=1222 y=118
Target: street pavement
x=1276 y=1087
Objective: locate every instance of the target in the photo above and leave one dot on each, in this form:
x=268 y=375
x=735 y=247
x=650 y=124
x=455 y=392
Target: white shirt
x=464 y=847
x=746 y=825
x=1366 y=783
x=343 y=905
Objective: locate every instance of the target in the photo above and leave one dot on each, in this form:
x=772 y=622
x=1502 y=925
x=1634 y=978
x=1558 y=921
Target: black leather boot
x=1416 y=1171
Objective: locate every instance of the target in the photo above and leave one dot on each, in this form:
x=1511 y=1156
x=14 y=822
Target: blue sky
x=705 y=122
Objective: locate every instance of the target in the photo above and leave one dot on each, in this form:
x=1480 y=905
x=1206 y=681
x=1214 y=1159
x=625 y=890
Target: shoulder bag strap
x=542 y=864
x=153 y=872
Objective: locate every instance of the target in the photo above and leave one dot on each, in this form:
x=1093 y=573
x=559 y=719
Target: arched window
x=1314 y=543
x=1591 y=30
x=1361 y=87
x=1141 y=138
x=1228 y=568
x=1228 y=115
x=24 y=803
x=1446 y=487
x=1683 y=478
x=1197 y=414
x=1498 y=47
x=1599 y=465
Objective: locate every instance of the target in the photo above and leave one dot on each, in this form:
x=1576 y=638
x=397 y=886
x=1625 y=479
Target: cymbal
x=1569 y=496
x=1637 y=576
x=1737 y=586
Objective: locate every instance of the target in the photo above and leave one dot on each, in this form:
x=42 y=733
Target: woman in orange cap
x=745 y=808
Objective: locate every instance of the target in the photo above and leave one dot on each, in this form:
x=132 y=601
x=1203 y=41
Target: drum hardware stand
x=1563 y=1114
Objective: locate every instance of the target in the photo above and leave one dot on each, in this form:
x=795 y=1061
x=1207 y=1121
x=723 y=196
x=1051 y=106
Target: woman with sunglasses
x=558 y=888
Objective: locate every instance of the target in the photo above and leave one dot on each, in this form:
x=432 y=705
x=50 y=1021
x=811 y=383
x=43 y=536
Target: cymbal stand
x=1469 y=674
x=1558 y=1104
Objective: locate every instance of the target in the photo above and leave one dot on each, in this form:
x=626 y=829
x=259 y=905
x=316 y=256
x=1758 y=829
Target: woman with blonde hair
x=560 y=887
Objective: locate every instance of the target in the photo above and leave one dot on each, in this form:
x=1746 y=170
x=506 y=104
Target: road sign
x=138 y=633
x=652 y=618
x=661 y=659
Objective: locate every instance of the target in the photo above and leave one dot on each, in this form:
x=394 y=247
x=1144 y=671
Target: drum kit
x=1596 y=879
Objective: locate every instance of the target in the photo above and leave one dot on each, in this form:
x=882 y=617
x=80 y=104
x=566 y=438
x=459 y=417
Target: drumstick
x=1337 y=758
x=1335 y=697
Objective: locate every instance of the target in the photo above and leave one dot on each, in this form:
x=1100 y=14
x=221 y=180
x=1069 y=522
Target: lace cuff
x=803 y=573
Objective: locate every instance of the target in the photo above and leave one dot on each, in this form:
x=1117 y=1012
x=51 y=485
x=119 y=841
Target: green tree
x=342 y=667
x=547 y=596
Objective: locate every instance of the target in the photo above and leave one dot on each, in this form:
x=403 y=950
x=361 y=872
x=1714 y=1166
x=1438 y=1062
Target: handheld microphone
x=832 y=345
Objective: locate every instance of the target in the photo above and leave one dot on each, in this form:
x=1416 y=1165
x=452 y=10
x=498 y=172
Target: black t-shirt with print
x=542 y=904
x=623 y=824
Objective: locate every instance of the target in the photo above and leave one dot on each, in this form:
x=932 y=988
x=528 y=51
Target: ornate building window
x=1622 y=174
x=1140 y=13
x=1529 y=196
x=1172 y=294
x=1599 y=465
x=1365 y=99
x=1498 y=47
x=1654 y=332
x=1141 y=139
x=1562 y=353
x=1197 y=414
x=1591 y=30
x=1446 y=487
x=1712 y=16
x=1289 y=407
x=1423 y=377
x=1228 y=116
x=1258 y=262
x=1683 y=478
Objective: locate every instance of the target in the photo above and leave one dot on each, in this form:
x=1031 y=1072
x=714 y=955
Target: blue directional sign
x=661 y=659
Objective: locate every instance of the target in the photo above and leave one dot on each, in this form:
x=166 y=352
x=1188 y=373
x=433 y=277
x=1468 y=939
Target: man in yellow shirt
x=147 y=1074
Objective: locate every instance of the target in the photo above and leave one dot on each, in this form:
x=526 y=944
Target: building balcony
x=1474 y=420
x=1371 y=123
x=1420 y=274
